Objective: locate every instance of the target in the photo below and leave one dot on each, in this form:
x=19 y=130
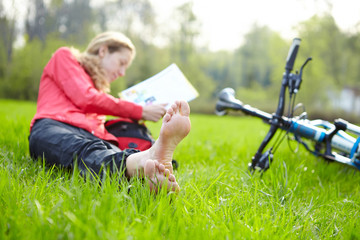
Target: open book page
x=166 y=86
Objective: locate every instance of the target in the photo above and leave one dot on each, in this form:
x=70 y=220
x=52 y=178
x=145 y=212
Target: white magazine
x=166 y=86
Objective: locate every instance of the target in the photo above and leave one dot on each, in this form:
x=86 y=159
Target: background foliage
x=254 y=69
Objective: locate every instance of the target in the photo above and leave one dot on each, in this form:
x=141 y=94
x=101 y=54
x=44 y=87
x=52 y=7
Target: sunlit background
x=224 y=23
x=217 y=44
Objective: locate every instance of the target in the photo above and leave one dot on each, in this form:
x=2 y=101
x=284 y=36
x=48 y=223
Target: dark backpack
x=130 y=134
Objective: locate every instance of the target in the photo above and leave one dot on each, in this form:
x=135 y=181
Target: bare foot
x=155 y=163
x=176 y=125
x=159 y=177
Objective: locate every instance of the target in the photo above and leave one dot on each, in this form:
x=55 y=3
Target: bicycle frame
x=327 y=137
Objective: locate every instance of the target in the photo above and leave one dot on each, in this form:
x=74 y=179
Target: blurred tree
x=184 y=52
x=183 y=43
x=35 y=21
x=323 y=41
x=27 y=66
x=257 y=56
x=327 y=43
x=220 y=66
x=71 y=20
x=74 y=21
x=136 y=18
x=7 y=38
x=352 y=75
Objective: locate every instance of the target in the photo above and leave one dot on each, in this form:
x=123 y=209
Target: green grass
x=299 y=197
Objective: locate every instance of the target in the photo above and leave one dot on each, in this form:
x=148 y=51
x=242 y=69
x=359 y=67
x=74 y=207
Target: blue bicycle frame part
x=341 y=141
x=325 y=135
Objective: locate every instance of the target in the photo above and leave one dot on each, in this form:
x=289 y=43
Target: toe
x=149 y=169
x=184 y=108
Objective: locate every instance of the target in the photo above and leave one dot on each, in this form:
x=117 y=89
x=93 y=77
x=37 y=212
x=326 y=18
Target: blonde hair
x=90 y=61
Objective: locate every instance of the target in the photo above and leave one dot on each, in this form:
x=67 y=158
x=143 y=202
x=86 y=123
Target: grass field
x=299 y=197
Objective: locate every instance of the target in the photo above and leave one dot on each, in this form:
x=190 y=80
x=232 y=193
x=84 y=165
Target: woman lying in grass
x=73 y=102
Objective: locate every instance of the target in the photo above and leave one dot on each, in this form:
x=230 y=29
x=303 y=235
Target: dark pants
x=62 y=144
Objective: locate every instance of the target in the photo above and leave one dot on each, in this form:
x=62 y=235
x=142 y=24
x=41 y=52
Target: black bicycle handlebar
x=227 y=101
x=290 y=60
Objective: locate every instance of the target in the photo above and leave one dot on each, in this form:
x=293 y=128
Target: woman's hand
x=154 y=112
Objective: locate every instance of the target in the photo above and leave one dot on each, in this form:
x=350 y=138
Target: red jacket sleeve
x=76 y=84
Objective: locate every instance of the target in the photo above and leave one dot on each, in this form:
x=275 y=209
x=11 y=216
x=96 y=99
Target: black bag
x=130 y=134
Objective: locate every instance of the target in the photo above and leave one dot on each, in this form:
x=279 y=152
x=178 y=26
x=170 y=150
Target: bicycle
x=332 y=141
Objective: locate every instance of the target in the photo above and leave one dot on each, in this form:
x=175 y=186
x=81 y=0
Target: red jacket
x=67 y=94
